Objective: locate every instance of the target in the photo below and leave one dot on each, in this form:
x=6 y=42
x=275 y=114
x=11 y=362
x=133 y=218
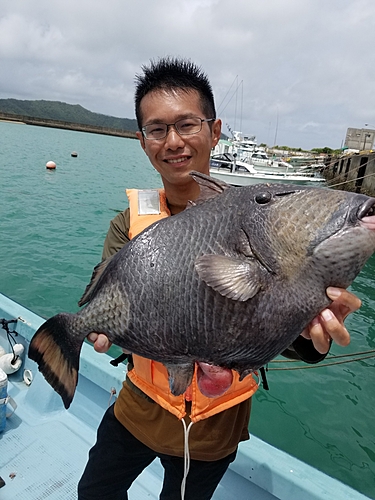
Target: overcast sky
x=304 y=70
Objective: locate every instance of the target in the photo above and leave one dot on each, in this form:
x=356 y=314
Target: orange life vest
x=151 y=376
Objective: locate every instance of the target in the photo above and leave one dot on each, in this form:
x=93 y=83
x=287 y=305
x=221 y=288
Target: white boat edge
x=243 y=179
x=266 y=472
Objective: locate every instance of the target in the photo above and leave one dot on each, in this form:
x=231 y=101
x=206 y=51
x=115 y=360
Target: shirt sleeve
x=118 y=234
x=303 y=350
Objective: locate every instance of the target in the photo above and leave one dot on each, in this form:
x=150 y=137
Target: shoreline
x=78 y=127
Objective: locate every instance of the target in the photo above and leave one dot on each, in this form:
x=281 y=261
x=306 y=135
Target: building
x=359 y=139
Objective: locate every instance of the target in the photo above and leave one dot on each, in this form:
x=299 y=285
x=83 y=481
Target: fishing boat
x=227 y=168
x=246 y=150
x=263 y=163
x=44 y=447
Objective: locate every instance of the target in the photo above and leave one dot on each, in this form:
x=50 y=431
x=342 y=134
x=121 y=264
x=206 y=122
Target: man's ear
x=141 y=140
x=216 y=132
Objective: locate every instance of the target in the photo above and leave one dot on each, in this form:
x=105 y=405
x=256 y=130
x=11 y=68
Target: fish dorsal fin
x=96 y=274
x=231 y=277
x=209 y=187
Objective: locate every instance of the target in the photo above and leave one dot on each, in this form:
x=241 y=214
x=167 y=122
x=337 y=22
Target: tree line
x=73 y=113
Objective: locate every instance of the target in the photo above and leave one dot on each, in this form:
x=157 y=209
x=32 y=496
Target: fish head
x=293 y=228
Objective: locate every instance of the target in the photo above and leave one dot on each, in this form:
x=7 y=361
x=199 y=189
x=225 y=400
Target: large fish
x=232 y=281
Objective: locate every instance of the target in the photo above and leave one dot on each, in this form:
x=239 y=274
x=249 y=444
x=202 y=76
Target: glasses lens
x=155 y=131
x=188 y=126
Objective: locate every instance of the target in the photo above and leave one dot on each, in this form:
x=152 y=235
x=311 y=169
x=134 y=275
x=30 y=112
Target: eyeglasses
x=186 y=126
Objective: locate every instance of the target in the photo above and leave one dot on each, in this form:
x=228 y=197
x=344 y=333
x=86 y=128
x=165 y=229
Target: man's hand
x=100 y=341
x=329 y=325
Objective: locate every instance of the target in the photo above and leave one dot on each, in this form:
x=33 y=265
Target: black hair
x=173 y=74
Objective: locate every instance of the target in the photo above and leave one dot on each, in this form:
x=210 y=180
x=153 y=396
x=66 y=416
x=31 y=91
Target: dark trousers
x=118 y=458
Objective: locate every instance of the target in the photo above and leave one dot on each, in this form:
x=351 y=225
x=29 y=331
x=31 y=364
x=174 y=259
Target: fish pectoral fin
x=180 y=377
x=89 y=291
x=231 y=277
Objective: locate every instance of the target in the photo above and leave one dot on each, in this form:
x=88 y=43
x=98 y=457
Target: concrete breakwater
x=355 y=172
x=44 y=122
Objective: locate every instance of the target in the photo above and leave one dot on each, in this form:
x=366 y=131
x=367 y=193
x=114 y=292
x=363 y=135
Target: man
x=177 y=130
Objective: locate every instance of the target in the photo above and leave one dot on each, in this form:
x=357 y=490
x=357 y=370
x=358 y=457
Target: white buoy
x=51 y=165
x=74 y=154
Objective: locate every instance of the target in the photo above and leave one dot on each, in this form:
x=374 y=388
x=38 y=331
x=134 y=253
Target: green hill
x=73 y=113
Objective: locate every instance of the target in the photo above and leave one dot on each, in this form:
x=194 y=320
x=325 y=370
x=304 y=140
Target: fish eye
x=263 y=198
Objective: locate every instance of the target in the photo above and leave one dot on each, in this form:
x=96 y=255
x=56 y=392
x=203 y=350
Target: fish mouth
x=366 y=214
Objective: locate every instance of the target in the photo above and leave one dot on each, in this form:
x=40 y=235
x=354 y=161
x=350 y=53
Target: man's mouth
x=177 y=160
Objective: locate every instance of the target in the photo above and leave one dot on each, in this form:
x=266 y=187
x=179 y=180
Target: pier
x=44 y=122
x=354 y=172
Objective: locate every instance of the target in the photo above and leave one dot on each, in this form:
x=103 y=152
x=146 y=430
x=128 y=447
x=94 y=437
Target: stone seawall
x=355 y=172
x=43 y=122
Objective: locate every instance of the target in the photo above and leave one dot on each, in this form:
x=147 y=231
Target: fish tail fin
x=57 y=352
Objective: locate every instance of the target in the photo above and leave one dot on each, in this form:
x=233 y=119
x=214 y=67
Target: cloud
x=300 y=62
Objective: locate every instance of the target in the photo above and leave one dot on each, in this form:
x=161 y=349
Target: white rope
x=186 y=456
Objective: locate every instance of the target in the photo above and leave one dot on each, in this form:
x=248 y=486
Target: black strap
x=264 y=378
x=119 y=359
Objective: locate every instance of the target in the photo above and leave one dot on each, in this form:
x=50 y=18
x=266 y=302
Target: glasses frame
x=143 y=129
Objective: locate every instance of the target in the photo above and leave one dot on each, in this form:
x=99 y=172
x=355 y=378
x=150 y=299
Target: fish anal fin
x=180 y=377
x=57 y=361
x=233 y=278
x=90 y=288
x=244 y=373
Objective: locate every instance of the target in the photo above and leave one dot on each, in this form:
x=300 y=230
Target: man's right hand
x=100 y=341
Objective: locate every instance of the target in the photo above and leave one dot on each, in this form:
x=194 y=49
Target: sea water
x=52 y=227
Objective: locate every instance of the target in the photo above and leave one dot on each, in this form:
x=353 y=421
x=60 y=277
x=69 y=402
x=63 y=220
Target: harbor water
x=52 y=227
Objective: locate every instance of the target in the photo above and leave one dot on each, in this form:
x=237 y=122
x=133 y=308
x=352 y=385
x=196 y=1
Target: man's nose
x=173 y=139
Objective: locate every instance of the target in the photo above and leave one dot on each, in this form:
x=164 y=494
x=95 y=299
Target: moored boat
x=227 y=168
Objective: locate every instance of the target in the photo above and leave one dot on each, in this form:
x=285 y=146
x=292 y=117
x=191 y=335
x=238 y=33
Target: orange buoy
x=51 y=165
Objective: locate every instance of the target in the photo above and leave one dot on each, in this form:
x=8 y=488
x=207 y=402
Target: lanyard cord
x=186 y=456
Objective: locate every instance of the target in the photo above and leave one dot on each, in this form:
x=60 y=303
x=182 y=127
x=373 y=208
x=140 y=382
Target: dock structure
x=79 y=127
x=353 y=172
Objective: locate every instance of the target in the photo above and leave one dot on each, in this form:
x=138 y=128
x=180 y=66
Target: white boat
x=227 y=168
x=263 y=163
x=44 y=447
x=246 y=149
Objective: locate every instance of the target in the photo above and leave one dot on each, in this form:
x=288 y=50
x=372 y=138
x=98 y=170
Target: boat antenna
x=221 y=111
x=277 y=126
x=222 y=108
x=241 y=84
x=230 y=130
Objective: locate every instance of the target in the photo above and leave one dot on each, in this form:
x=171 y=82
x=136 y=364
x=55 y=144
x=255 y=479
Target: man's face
x=177 y=155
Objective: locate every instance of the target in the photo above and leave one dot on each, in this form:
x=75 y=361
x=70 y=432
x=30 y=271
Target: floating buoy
x=51 y=165
x=74 y=154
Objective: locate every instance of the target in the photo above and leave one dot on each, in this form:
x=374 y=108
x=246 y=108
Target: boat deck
x=43 y=453
x=43 y=449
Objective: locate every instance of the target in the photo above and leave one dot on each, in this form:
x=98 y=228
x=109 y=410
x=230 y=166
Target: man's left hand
x=329 y=325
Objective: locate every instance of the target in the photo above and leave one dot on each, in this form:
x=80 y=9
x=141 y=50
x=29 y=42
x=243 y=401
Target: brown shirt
x=209 y=439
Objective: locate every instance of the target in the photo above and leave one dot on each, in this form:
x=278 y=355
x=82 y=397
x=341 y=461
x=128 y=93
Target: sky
x=291 y=72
